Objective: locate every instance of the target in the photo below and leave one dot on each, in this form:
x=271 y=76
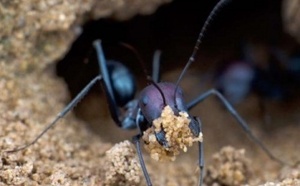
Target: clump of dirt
x=289 y=176
x=228 y=167
x=286 y=182
x=290 y=172
x=291 y=17
x=125 y=9
x=40 y=32
x=177 y=133
x=122 y=166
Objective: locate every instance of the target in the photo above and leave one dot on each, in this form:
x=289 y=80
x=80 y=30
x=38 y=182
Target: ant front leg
x=238 y=118
x=140 y=120
x=141 y=123
x=196 y=128
x=201 y=155
x=136 y=141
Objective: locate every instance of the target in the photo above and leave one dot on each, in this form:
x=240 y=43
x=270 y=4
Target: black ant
x=268 y=72
x=119 y=86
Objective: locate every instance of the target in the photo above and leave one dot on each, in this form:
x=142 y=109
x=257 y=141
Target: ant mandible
x=119 y=87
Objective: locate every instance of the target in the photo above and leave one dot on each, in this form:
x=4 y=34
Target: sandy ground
x=75 y=152
x=72 y=154
x=221 y=130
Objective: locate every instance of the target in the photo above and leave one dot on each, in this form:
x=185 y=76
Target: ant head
x=154 y=98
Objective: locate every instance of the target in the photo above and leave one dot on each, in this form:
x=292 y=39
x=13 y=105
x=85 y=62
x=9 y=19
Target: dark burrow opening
x=173 y=29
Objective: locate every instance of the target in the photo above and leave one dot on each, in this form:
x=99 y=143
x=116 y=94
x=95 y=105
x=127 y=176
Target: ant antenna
x=150 y=79
x=158 y=88
x=210 y=17
x=138 y=56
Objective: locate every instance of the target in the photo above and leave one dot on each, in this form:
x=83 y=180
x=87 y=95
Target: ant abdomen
x=122 y=81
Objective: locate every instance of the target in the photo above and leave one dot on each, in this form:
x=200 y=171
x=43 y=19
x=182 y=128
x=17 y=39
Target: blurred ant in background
x=272 y=73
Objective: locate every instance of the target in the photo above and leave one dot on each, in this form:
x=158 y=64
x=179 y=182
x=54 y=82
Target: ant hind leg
x=237 y=117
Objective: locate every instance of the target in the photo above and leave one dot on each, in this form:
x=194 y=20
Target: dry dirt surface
x=70 y=154
x=291 y=17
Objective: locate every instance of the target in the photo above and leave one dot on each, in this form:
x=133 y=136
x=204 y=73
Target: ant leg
x=69 y=107
x=155 y=66
x=239 y=119
x=114 y=110
x=201 y=155
x=136 y=141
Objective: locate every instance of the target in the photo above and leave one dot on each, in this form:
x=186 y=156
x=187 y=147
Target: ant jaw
x=194 y=126
x=161 y=139
x=161 y=135
x=170 y=134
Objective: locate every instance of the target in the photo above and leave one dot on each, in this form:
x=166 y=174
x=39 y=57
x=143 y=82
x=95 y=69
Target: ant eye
x=145 y=100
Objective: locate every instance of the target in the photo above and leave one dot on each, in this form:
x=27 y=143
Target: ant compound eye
x=145 y=100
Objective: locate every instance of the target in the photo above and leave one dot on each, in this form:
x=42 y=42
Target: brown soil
x=72 y=154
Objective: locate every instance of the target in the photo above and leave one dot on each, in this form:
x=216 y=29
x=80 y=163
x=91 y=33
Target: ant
x=266 y=71
x=234 y=80
x=119 y=87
